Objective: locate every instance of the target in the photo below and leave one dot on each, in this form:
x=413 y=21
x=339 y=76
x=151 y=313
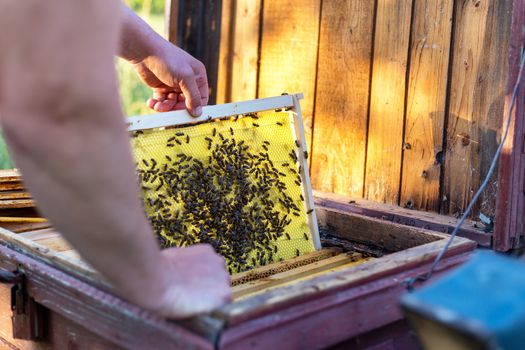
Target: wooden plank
x=10 y=175
x=245 y=50
x=16 y=203
x=72 y=266
x=302 y=156
x=23 y=227
x=71 y=254
x=510 y=210
x=387 y=101
x=272 y=269
x=404 y=262
x=425 y=110
x=386 y=235
x=426 y=220
x=11 y=185
x=225 y=51
x=103 y=314
x=14 y=195
x=57 y=244
x=341 y=102
x=11 y=219
x=328 y=319
x=476 y=102
x=171 y=19
x=180 y=117
x=36 y=235
x=294 y=274
x=289 y=42
x=49 y=238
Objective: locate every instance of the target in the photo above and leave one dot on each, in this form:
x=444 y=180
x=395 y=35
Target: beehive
x=234 y=178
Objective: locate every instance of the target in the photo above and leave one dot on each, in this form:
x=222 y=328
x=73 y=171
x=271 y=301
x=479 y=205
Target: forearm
x=138 y=39
x=73 y=149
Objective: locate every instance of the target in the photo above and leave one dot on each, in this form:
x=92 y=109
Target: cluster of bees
x=234 y=199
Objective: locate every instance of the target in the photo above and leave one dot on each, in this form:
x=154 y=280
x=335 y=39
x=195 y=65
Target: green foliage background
x=133 y=93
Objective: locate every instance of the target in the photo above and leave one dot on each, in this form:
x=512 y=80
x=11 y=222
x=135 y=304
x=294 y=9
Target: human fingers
x=202 y=83
x=152 y=102
x=165 y=106
x=191 y=92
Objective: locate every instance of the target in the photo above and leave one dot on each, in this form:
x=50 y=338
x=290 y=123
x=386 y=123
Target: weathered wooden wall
x=403 y=99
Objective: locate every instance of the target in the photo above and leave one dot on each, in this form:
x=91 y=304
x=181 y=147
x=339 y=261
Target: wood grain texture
x=387 y=101
x=362 y=229
x=414 y=218
x=103 y=314
x=285 y=297
x=272 y=269
x=11 y=185
x=289 y=43
x=327 y=319
x=293 y=275
x=9 y=175
x=23 y=227
x=225 y=51
x=426 y=99
x=171 y=19
x=341 y=107
x=477 y=90
x=245 y=50
x=14 y=195
x=16 y=203
x=510 y=208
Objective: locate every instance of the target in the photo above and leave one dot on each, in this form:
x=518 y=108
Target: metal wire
x=411 y=281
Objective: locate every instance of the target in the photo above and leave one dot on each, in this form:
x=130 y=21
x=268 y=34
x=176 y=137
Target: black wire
x=409 y=283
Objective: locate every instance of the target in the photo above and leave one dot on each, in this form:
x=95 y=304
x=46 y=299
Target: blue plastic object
x=484 y=298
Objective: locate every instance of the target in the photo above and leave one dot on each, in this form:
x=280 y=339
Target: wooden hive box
x=438 y=62
x=323 y=298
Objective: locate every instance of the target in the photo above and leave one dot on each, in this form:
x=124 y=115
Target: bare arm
x=62 y=119
x=178 y=79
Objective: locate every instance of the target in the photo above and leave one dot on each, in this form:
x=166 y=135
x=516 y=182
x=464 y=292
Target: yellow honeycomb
x=233 y=183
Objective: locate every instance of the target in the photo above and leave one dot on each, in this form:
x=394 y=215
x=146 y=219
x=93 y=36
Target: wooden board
x=296 y=274
x=265 y=303
x=476 y=104
x=341 y=102
x=245 y=50
x=272 y=269
x=16 y=203
x=386 y=235
x=510 y=222
x=426 y=98
x=14 y=195
x=9 y=175
x=308 y=293
x=387 y=101
x=225 y=51
x=289 y=42
x=18 y=227
x=49 y=238
x=11 y=185
x=409 y=217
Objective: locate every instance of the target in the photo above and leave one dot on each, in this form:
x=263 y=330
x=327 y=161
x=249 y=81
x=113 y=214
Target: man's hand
x=71 y=144
x=178 y=80
x=198 y=281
